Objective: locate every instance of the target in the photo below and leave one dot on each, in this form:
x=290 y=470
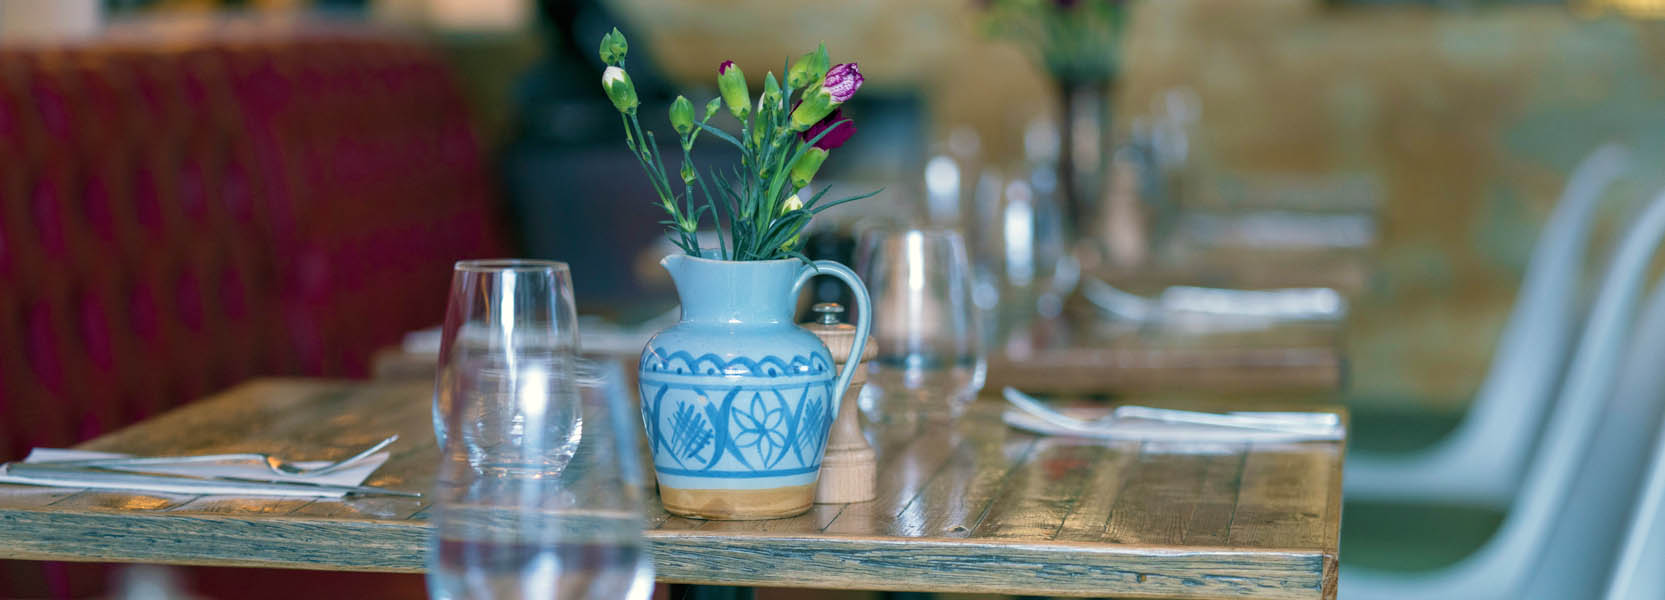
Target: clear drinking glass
x=539 y=487
x=930 y=361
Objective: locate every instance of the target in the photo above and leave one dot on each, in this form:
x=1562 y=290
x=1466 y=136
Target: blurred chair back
x=180 y=214
x=1482 y=461
x=1561 y=529
x=1640 y=573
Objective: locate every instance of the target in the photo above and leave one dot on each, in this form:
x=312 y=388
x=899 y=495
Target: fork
x=277 y=465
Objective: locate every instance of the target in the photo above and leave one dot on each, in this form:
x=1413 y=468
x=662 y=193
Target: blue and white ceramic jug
x=737 y=400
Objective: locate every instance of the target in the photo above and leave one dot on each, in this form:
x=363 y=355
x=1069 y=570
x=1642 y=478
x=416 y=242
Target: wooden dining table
x=972 y=507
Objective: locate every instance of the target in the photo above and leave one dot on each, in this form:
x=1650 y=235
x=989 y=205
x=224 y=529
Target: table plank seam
x=1005 y=480
x=948 y=459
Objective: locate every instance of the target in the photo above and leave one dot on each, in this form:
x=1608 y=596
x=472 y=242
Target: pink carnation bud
x=842 y=81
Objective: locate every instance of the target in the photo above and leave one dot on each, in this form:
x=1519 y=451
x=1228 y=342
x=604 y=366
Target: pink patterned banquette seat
x=180 y=213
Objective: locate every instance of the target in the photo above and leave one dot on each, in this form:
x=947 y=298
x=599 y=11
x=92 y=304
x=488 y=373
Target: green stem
x=716 y=217
x=656 y=175
x=686 y=224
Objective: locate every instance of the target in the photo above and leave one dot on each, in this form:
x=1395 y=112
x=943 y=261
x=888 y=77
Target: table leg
x=710 y=592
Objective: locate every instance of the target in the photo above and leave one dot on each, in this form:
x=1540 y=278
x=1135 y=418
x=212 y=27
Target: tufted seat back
x=179 y=215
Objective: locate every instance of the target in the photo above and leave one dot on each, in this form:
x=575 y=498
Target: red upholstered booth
x=180 y=214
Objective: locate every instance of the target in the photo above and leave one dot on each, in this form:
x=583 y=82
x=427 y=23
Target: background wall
x=1468 y=122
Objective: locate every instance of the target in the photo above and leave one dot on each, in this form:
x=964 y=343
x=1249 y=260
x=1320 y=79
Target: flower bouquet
x=736 y=399
x=785 y=135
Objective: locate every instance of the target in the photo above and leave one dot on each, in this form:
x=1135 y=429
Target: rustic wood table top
x=973 y=507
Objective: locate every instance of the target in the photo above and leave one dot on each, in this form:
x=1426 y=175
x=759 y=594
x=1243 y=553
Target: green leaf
x=871 y=194
x=722 y=135
x=817 y=197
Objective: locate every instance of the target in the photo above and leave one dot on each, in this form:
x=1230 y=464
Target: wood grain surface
x=972 y=507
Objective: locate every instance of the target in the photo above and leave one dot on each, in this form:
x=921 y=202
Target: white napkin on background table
x=354 y=475
x=1154 y=431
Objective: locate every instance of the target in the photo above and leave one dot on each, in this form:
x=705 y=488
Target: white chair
x=1561 y=529
x=1481 y=462
x=1640 y=574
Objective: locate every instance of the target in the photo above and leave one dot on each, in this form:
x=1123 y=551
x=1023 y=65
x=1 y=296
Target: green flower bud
x=711 y=107
x=807 y=164
x=620 y=90
x=771 y=91
x=816 y=105
x=790 y=205
x=682 y=115
x=809 y=68
x=732 y=83
x=613 y=48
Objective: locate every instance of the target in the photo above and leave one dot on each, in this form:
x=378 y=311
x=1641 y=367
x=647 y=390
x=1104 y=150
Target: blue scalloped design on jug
x=658 y=360
x=766 y=418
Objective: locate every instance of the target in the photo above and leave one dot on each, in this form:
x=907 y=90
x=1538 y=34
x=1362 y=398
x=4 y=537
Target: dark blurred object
x=179 y=214
x=831 y=244
x=576 y=193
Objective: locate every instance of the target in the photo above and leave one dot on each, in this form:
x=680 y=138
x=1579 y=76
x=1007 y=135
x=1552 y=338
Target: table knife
x=110 y=476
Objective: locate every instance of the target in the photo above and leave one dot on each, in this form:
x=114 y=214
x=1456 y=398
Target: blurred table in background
x=1080 y=356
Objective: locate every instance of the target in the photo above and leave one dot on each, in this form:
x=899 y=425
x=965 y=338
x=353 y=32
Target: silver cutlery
x=277 y=465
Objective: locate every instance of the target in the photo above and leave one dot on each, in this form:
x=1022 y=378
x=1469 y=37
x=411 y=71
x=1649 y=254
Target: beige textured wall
x=1469 y=121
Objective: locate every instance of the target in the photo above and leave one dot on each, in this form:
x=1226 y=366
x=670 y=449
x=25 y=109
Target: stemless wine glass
x=930 y=361
x=539 y=489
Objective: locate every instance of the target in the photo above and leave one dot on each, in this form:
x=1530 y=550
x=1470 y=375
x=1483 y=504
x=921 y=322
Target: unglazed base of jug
x=739 y=505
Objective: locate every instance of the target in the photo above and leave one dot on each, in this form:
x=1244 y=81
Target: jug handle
x=864 y=318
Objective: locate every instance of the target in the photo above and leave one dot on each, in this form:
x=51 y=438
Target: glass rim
x=499 y=265
x=930 y=231
x=878 y=236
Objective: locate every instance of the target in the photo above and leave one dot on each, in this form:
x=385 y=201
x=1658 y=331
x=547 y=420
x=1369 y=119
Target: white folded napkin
x=353 y=475
x=1159 y=431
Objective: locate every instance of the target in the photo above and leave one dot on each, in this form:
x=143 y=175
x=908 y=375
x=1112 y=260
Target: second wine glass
x=930 y=363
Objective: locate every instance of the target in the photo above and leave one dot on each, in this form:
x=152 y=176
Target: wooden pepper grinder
x=849 y=468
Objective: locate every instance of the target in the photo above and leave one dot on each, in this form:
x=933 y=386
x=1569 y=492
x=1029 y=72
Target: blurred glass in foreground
x=538 y=492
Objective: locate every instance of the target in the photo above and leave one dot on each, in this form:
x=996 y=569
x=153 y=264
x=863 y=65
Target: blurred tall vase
x=1078 y=43
x=1084 y=157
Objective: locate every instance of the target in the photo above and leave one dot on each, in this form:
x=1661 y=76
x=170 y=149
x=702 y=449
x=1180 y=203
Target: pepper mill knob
x=827 y=312
x=849 y=467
